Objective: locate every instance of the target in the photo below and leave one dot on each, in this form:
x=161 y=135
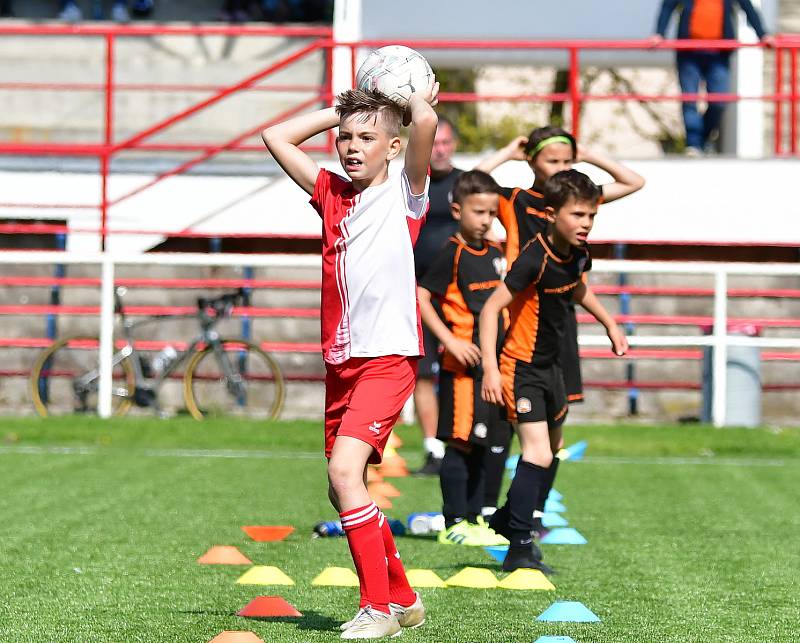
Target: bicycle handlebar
x=222 y=305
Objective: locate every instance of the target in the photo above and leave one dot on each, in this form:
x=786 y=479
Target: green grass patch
x=693 y=532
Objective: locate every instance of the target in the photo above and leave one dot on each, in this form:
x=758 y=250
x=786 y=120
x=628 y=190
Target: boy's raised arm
x=626 y=181
x=421 y=135
x=283 y=141
x=513 y=151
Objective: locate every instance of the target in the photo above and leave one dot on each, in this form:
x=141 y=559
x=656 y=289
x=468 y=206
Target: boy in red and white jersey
x=371 y=336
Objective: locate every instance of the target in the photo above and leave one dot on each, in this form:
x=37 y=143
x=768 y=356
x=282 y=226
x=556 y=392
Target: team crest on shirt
x=523 y=405
x=480 y=430
x=499 y=264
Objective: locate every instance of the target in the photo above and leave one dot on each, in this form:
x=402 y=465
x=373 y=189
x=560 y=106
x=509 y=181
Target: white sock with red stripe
x=365 y=538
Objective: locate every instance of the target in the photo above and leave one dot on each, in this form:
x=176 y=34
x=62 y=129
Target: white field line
x=310 y=455
x=699 y=460
x=163 y=453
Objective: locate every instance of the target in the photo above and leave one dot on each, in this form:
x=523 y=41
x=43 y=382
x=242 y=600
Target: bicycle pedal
x=144 y=396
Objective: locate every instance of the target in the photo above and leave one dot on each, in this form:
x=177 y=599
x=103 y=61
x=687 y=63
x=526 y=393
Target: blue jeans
x=713 y=68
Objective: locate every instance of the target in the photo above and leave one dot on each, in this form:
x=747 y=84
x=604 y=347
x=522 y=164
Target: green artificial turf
x=694 y=535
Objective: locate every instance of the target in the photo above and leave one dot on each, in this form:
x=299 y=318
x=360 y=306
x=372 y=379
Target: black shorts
x=464 y=416
x=571 y=361
x=533 y=393
x=428 y=366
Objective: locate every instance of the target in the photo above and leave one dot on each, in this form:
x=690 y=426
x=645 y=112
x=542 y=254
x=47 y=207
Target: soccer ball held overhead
x=395 y=71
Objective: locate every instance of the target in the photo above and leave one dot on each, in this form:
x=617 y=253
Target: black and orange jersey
x=523 y=216
x=462 y=278
x=542 y=281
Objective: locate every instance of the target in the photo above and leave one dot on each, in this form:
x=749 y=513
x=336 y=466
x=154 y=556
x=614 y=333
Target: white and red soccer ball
x=395 y=71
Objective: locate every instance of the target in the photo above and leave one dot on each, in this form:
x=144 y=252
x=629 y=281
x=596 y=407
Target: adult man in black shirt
x=438 y=227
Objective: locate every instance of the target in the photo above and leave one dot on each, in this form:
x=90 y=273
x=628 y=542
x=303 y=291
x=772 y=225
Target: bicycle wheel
x=254 y=389
x=65 y=378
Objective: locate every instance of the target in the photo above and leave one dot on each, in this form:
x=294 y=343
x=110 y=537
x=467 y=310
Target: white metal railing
x=719 y=339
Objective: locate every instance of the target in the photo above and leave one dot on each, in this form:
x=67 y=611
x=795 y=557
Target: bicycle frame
x=147 y=395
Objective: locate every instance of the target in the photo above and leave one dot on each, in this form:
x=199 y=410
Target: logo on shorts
x=523 y=405
x=375 y=427
x=480 y=430
x=497 y=449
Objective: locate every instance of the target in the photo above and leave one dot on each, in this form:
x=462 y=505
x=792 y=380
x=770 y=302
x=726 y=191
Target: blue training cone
x=555 y=639
x=552 y=519
x=554 y=495
x=511 y=462
x=575 y=451
x=497 y=552
x=568 y=612
x=554 y=506
x=564 y=536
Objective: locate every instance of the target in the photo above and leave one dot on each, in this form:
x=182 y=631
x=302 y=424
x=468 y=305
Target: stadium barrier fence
x=719 y=338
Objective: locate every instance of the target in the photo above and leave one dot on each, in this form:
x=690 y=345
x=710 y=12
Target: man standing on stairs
x=705 y=20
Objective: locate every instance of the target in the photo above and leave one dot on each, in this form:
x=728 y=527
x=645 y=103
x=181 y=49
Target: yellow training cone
x=473 y=577
x=526 y=579
x=264 y=575
x=338 y=576
x=424 y=578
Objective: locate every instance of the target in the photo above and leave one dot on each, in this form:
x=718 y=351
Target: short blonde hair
x=369 y=102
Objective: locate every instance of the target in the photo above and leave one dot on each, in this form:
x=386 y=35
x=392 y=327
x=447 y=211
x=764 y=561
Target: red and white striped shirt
x=369 y=293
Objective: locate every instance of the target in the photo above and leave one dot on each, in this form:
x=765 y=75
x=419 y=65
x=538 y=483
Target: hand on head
x=429 y=94
x=516 y=149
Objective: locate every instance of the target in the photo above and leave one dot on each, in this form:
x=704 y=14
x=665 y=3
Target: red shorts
x=364 y=397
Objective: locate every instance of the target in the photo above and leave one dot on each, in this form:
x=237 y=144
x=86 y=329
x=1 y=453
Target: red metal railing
x=320 y=40
x=784 y=97
x=785 y=45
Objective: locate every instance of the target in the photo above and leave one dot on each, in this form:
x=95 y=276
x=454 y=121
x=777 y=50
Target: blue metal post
x=247 y=323
x=625 y=309
x=51 y=321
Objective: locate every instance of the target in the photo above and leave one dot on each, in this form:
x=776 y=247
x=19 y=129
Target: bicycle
x=223 y=376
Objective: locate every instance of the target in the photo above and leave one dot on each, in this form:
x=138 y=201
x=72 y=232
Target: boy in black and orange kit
x=547 y=150
x=549 y=273
x=461 y=278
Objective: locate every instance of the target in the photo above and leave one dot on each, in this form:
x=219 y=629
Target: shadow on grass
x=310 y=620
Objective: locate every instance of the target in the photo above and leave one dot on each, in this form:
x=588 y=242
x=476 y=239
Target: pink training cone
x=224 y=555
x=231 y=636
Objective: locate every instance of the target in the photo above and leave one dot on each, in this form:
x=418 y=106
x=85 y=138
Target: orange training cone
x=268 y=607
x=373 y=475
x=224 y=555
x=382 y=502
x=267 y=533
x=394 y=470
x=394 y=441
x=383 y=489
